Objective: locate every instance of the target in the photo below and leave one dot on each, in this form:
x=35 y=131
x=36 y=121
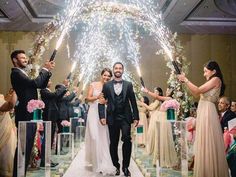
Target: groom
x=120 y=101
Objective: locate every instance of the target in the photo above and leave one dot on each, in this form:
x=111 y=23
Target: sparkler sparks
x=107 y=33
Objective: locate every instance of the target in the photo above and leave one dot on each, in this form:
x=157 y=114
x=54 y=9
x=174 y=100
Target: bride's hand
x=102 y=99
x=103 y=121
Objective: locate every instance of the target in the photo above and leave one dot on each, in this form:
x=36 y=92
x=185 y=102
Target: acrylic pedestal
x=171 y=148
x=26 y=132
x=65 y=142
x=77 y=127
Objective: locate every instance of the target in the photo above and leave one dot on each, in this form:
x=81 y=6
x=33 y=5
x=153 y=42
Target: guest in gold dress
x=7 y=135
x=151 y=133
x=163 y=147
x=210 y=158
x=143 y=119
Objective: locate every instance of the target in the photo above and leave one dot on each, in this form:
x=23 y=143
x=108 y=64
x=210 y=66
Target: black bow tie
x=118 y=82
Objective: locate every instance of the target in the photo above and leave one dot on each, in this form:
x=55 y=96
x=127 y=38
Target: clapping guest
x=26 y=90
x=7 y=134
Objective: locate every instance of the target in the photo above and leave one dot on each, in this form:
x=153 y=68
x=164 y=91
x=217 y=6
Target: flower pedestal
x=80 y=132
x=172 y=148
x=139 y=135
x=77 y=127
x=26 y=133
x=65 y=143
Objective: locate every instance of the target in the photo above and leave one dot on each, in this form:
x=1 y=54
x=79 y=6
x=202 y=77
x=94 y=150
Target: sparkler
x=71 y=71
x=140 y=76
x=73 y=8
x=80 y=78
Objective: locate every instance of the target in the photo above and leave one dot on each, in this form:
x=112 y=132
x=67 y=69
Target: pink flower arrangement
x=65 y=123
x=35 y=104
x=170 y=104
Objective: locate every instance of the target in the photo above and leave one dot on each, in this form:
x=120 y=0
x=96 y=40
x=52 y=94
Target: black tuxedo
x=128 y=101
x=51 y=110
x=26 y=90
x=64 y=109
x=228 y=115
x=63 y=106
x=119 y=116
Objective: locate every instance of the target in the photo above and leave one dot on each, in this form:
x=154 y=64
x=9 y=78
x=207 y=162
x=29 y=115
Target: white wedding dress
x=97 y=140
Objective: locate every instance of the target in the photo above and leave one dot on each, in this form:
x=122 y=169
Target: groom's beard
x=118 y=74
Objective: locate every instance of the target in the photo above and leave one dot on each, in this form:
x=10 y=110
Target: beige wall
x=198 y=48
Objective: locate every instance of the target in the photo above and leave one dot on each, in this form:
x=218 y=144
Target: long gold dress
x=152 y=131
x=143 y=121
x=210 y=158
x=7 y=142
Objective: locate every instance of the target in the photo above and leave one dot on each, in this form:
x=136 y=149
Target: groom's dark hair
x=116 y=63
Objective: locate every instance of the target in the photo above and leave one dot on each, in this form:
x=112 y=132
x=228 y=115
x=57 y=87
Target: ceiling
x=183 y=16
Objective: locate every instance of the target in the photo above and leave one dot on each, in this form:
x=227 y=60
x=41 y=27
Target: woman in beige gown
x=210 y=158
x=143 y=120
x=7 y=136
x=163 y=147
x=152 y=131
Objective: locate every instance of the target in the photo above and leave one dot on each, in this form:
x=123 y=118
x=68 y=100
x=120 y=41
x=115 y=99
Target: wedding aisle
x=78 y=169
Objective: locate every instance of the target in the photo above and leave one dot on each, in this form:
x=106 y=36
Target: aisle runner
x=77 y=167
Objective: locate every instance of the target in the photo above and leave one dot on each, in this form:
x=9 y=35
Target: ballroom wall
x=198 y=50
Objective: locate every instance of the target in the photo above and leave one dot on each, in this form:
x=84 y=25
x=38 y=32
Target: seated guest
x=7 y=135
x=233 y=107
x=225 y=113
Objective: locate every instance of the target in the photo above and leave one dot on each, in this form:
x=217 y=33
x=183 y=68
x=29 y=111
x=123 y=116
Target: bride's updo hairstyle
x=213 y=65
x=106 y=70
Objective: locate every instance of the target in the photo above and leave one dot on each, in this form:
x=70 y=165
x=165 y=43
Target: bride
x=96 y=135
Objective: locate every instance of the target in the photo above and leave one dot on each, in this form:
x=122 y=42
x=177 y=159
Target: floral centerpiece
x=170 y=106
x=35 y=107
x=66 y=126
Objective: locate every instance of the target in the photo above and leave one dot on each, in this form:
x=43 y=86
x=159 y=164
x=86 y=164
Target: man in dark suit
x=26 y=90
x=50 y=113
x=225 y=113
x=121 y=112
x=63 y=106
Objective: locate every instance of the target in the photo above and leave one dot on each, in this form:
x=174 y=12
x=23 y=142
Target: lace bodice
x=211 y=95
x=96 y=92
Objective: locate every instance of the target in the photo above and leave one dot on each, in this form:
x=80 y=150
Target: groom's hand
x=103 y=121
x=136 y=123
